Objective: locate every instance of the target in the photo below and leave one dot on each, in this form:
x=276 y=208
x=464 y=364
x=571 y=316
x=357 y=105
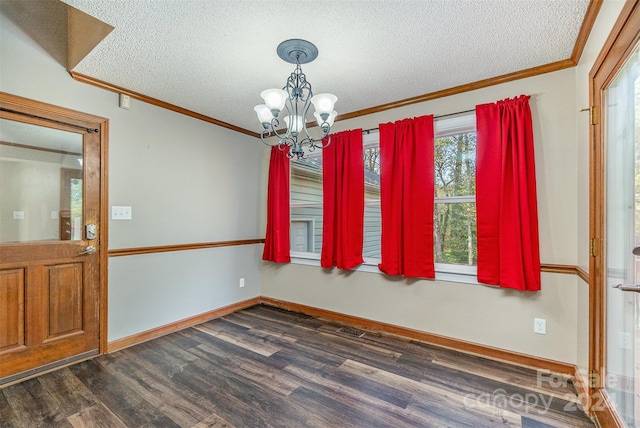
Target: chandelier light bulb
x=264 y=114
x=328 y=121
x=274 y=99
x=294 y=125
x=324 y=103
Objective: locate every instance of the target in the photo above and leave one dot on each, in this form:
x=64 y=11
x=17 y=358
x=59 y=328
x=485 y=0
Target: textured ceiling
x=215 y=56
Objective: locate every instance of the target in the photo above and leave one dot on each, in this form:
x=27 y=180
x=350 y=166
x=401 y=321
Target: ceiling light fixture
x=296 y=97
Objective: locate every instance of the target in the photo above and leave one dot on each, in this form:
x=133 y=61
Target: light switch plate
x=120 y=213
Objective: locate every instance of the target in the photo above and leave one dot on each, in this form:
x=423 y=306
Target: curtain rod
x=367 y=131
x=50 y=120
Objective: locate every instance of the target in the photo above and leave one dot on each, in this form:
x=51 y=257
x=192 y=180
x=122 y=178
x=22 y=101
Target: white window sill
x=444 y=272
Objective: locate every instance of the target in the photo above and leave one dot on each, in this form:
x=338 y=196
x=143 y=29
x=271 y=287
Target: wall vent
x=351 y=331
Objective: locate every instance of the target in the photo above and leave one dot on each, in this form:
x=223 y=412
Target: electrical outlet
x=539 y=326
x=241 y=282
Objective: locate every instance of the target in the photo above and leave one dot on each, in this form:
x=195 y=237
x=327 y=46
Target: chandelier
x=296 y=97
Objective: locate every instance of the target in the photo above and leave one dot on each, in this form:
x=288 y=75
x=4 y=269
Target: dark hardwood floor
x=263 y=367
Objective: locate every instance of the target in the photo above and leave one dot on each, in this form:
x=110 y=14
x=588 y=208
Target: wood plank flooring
x=265 y=367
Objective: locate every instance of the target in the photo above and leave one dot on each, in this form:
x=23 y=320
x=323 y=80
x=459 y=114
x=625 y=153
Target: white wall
x=187 y=181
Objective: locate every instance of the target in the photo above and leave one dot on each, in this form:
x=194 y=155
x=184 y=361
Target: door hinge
x=593 y=247
x=592 y=114
x=593 y=378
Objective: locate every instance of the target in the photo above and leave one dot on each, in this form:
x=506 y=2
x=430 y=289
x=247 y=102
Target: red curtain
x=277 y=244
x=506 y=205
x=343 y=201
x=406 y=197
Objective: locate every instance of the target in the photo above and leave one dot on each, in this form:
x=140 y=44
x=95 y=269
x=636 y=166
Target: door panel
x=64 y=299
x=12 y=309
x=50 y=188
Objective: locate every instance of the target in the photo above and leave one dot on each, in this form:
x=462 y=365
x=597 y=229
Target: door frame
x=40 y=113
x=623 y=38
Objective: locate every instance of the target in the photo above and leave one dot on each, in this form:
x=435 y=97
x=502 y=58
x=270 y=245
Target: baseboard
x=179 y=325
x=447 y=342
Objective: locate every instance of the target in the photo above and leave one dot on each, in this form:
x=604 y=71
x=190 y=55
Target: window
x=455 y=187
x=455 y=215
x=372 y=219
x=306 y=204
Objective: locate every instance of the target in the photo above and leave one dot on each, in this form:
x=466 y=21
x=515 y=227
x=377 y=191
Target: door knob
x=89 y=250
x=636 y=251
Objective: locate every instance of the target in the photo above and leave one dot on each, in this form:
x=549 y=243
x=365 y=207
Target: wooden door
x=51 y=302
x=614 y=218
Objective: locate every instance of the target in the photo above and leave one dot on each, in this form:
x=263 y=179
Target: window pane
x=306 y=204
x=372 y=225
x=40 y=183
x=455 y=233
x=455 y=165
x=372 y=221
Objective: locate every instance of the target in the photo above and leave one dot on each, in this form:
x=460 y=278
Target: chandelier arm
x=274 y=130
x=328 y=137
x=264 y=133
x=312 y=142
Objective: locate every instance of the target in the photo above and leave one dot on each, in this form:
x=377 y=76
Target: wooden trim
x=620 y=35
x=547 y=68
x=62 y=114
x=585 y=29
x=103 y=236
x=583 y=274
x=447 y=342
x=180 y=247
x=604 y=413
x=159 y=103
x=179 y=325
x=522 y=74
x=566 y=269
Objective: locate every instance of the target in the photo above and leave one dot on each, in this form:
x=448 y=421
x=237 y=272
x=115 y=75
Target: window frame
x=444 y=272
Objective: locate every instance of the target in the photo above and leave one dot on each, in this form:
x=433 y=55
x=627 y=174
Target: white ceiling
x=214 y=57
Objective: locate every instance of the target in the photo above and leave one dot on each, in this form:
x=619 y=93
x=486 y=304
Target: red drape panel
x=277 y=244
x=506 y=204
x=343 y=201
x=406 y=197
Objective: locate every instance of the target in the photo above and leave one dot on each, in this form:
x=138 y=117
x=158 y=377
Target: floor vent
x=351 y=331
